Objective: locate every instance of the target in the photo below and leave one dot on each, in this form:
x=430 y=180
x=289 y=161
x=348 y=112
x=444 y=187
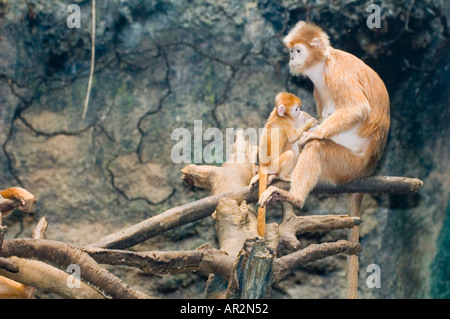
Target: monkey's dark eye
x=298 y=50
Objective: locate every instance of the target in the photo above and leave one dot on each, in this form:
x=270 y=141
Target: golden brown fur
x=353 y=107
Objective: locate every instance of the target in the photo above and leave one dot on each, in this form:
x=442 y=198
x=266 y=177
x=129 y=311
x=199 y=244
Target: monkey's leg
x=295 y=195
x=254 y=182
x=274 y=194
x=326 y=161
x=270 y=179
x=307 y=172
x=321 y=160
x=283 y=165
x=286 y=164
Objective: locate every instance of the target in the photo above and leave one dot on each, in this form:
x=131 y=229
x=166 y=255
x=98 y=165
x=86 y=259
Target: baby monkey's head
x=288 y=104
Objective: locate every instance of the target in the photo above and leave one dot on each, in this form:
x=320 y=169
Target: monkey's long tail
x=263 y=175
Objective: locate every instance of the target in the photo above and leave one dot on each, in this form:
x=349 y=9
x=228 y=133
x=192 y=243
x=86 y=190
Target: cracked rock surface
x=160 y=65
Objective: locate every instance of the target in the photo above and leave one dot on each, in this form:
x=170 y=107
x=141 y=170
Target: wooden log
x=205 y=259
x=283 y=266
x=373 y=185
x=297 y=225
x=234 y=222
x=252 y=276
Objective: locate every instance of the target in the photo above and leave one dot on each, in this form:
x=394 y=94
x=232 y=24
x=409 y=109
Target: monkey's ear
x=317 y=42
x=281 y=109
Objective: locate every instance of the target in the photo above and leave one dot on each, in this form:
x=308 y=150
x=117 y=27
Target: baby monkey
x=277 y=152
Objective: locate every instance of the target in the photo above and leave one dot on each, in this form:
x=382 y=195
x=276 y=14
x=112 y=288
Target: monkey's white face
x=298 y=57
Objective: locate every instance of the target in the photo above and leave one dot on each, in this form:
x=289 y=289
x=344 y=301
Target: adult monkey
x=353 y=109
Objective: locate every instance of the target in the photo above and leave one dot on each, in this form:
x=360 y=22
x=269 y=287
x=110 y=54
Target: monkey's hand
x=308 y=136
x=311 y=123
x=27 y=200
x=274 y=194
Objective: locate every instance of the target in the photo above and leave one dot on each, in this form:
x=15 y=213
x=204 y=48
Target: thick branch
x=283 y=266
x=293 y=225
x=205 y=259
x=38 y=274
x=63 y=255
x=252 y=276
x=374 y=184
x=234 y=224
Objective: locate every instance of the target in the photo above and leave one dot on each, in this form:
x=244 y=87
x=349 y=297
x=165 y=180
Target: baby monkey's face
x=295 y=111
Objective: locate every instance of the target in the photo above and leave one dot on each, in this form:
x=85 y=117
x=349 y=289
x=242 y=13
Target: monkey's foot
x=272 y=178
x=286 y=178
x=274 y=194
x=254 y=183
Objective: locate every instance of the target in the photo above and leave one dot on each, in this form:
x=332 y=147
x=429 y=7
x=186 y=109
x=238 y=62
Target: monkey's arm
x=351 y=104
x=319 y=105
x=294 y=134
x=343 y=119
x=340 y=121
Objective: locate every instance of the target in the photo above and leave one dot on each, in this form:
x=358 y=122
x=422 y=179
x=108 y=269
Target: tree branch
x=252 y=275
x=205 y=259
x=283 y=266
x=293 y=225
x=234 y=224
x=39 y=230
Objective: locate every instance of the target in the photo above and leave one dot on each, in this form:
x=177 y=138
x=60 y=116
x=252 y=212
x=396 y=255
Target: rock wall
x=160 y=65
